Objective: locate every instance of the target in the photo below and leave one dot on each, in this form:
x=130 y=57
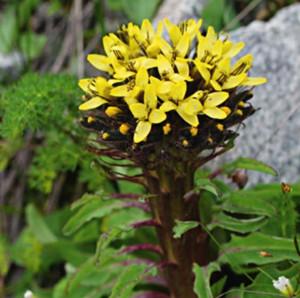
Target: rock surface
x=179 y=10
x=11 y=66
x=272 y=134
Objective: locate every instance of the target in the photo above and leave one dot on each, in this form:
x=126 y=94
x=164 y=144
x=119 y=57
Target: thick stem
x=167 y=206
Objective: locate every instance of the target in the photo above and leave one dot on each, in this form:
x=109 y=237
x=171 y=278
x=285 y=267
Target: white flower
x=28 y=294
x=284 y=286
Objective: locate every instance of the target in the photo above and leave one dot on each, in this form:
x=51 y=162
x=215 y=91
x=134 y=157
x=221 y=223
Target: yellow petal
x=138 y=110
x=120 y=91
x=217 y=48
x=182 y=67
x=192 y=106
x=183 y=45
x=224 y=66
x=144 y=62
x=93 y=103
x=203 y=70
x=190 y=119
x=179 y=90
x=142 y=130
x=211 y=34
x=165 y=47
x=254 y=81
x=164 y=66
x=215 y=113
x=214 y=99
x=141 y=79
x=84 y=84
x=100 y=62
x=235 y=49
x=246 y=61
x=168 y=106
x=157 y=116
x=234 y=81
x=102 y=86
x=174 y=31
x=150 y=98
x=147 y=28
x=215 y=85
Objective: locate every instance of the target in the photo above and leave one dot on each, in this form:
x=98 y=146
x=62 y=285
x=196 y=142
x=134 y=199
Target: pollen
x=91 y=119
x=185 y=143
x=194 y=131
x=241 y=104
x=124 y=128
x=167 y=128
x=239 y=112
x=220 y=127
x=226 y=110
x=112 y=111
x=105 y=135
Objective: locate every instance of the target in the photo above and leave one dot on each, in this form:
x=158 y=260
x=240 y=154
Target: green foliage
x=219 y=13
x=15 y=31
x=182 y=227
x=202 y=282
x=135 y=10
x=248 y=164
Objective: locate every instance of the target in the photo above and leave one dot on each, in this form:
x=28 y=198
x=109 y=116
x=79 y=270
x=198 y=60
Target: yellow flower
x=98 y=89
x=152 y=81
x=146 y=113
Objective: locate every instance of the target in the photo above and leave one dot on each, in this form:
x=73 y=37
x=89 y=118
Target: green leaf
x=202 y=281
x=218 y=13
x=4 y=257
x=94 y=208
x=249 y=164
x=182 y=227
x=242 y=226
x=208 y=185
x=251 y=202
x=8 y=29
x=137 y=10
x=123 y=288
x=243 y=251
x=38 y=225
x=32 y=44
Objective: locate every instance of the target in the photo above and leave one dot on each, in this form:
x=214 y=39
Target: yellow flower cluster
x=149 y=78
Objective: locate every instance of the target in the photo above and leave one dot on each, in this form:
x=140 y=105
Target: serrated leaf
x=202 y=279
x=94 y=208
x=38 y=226
x=182 y=227
x=249 y=164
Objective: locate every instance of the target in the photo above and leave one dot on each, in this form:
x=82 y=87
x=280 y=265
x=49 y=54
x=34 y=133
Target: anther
x=90 y=119
x=112 y=111
x=220 y=127
x=105 y=135
x=185 y=143
x=167 y=128
x=194 y=131
x=124 y=128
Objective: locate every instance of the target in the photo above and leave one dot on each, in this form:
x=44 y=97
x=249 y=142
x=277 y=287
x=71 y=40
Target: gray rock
x=272 y=134
x=179 y=10
x=11 y=66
